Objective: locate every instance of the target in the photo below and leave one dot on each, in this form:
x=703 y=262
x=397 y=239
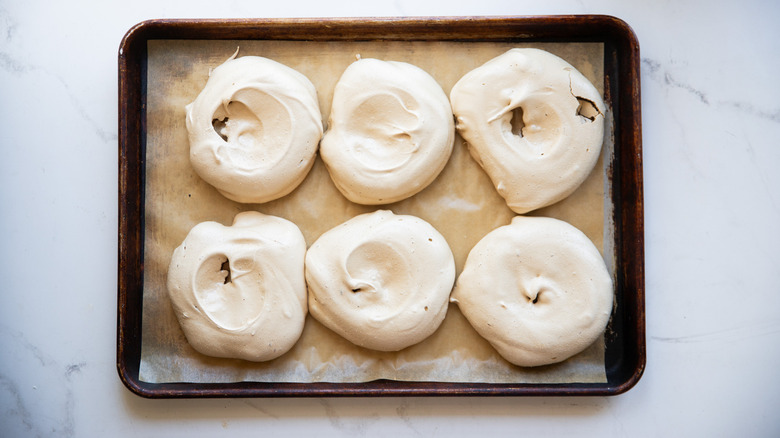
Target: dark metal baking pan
x=625 y=342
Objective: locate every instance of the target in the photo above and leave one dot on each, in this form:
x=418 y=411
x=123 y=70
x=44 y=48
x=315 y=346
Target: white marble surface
x=711 y=116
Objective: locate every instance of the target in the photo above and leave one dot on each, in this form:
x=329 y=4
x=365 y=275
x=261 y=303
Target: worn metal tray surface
x=624 y=341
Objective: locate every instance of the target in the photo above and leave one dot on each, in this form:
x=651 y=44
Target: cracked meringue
x=239 y=291
x=534 y=124
x=254 y=129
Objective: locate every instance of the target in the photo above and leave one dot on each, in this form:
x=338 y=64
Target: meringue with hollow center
x=380 y=280
x=390 y=133
x=239 y=291
x=533 y=122
x=538 y=290
x=254 y=129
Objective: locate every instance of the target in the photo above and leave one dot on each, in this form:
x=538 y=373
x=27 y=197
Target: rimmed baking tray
x=624 y=344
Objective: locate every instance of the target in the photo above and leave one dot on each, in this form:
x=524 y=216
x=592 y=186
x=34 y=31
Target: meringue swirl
x=390 y=132
x=533 y=122
x=380 y=280
x=538 y=290
x=254 y=129
x=239 y=291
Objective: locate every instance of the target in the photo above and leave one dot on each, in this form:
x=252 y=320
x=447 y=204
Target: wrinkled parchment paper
x=461 y=203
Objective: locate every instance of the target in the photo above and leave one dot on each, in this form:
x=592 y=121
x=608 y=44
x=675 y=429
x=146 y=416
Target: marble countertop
x=711 y=130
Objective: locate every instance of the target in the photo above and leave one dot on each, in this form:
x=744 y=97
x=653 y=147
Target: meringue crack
x=219 y=127
x=517 y=122
x=587 y=109
x=226 y=267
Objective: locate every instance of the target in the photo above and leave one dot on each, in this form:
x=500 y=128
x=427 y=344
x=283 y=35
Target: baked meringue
x=380 y=280
x=239 y=291
x=390 y=132
x=538 y=290
x=533 y=122
x=254 y=129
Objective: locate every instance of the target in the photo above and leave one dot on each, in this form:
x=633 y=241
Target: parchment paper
x=461 y=203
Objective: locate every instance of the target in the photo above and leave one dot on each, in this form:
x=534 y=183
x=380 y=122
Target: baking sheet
x=461 y=203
